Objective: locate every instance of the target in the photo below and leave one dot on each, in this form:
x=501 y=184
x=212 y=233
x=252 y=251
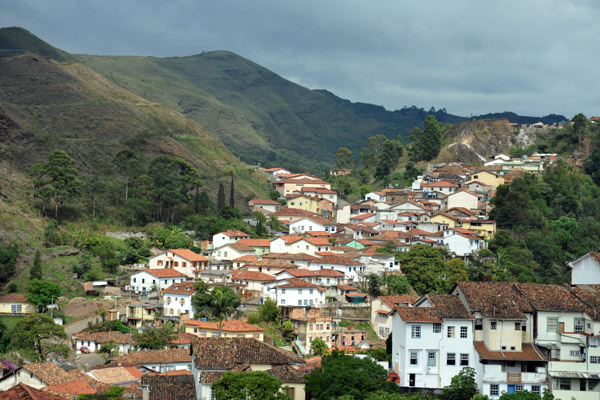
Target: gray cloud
x=471 y=57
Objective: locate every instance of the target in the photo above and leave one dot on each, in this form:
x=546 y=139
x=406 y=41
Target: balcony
x=514 y=377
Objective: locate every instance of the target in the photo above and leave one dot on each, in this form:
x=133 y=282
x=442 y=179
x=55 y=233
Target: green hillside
x=17 y=40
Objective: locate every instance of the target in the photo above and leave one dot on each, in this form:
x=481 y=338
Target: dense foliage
x=258 y=385
x=8 y=262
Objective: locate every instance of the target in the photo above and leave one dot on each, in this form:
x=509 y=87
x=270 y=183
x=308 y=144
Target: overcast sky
x=532 y=57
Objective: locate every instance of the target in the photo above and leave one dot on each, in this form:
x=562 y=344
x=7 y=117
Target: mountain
x=17 y=40
x=46 y=105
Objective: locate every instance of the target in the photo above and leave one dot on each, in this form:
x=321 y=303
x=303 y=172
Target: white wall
x=143 y=281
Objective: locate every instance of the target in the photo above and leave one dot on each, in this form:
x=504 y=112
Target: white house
x=183 y=260
x=381 y=312
x=252 y=280
x=432 y=341
x=158 y=360
x=262 y=205
x=227 y=237
x=177 y=299
x=322 y=193
x=463 y=198
x=296 y=292
x=309 y=224
x=231 y=251
x=94 y=341
x=323 y=277
x=461 y=244
x=309 y=245
x=155 y=279
x=585 y=270
x=352 y=269
x=444 y=187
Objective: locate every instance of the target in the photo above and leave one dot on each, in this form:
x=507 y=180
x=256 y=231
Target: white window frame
x=415 y=331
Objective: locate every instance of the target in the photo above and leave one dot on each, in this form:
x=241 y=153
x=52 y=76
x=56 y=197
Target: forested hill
x=260 y=116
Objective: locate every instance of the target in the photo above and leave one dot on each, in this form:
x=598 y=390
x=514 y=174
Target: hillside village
x=317 y=271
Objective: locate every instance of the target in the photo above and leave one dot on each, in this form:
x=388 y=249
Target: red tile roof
x=235 y=233
x=362 y=216
x=318 y=233
x=336 y=260
x=347 y=287
x=104 y=337
x=181 y=288
x=251 y=276
x=13 y=297
x=529 y=352
x=420 y=314
x=242 y=247
x=291 y=211
x=246 y=258
x=166 y=356
x=182 y=338
x=189 y=255
x=318 y=241
x=24 y=392
x=264 y=202
x=439 y=184
x=290 y=256
x=165 y=272
x=74 y=388
x=117 y=375
x=231 y=325
x=549 y=297
x=299 y=283
x=256 y=242
x=301 y=272
x=495 y=299
x=393 y=301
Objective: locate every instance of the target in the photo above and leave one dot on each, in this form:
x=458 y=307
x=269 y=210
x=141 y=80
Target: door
x=511 y=389
x=411 y=380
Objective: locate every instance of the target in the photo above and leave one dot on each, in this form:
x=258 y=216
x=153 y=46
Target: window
x=463 y=332
x=414 y=358
x=134 y=280
x=299 y=302
x=203 y=333
x=283 y=302
x=551 y=324
x=518 y=388
x=282 y=291
x=595 y=360
x=517 y=326
x=579 y=324
x=464 y=359
x=494 y=389
x=574 y=353
x=431 y=355
x=451 y=359
x=16 y=308
x=536 y=389
x=564 y=384
x=256 y=336
x=415 y=331
x=450 y=331
x=437 y=328
x=143 y=280
x=299 y=291
x=310 y=291
x=478 y=324
x=493 y=325
x=213 y=394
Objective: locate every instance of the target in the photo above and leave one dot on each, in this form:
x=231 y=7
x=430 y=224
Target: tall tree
x=232 y=194
x=388 y=159
x=373 y=147
x=201 y=299
x=35 y=331
x=56 y=180
x=425 y=269
x=129 y=165
x=42 y=293
x=8 y=262
x=427 y=143
x=36 y=269
x=154 y=338
x=220 y=197
x=223 y=302
x=344 y=159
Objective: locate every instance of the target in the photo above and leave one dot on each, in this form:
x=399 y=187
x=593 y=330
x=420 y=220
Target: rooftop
x=231 y=325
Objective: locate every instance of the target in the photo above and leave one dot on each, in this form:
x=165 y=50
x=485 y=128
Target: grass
x=9 y=321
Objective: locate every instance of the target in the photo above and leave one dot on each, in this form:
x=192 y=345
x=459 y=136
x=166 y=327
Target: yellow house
x=486 y=177
x=229 y=328
x=15 y=303
x=485 y=228
x=447 y=219
x=304 y=202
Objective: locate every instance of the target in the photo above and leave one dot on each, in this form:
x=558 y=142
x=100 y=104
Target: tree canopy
x=425 y=269
x=38 y=332
x=258 y=385
x=42 y=293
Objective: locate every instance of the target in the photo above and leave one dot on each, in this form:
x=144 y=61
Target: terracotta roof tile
x=239 y=246
x=117 y=375
x=448 y=306
x=292 y=211
x=256 y=242
x=347 y=287
x=336 y=260
x=181 y=288
x=226 y=353
x=251 y=276
x=13 y=297
x=290 y=256
x=188 y=254
x=287 y=374
x=176 y=387
x=48 y=372
x=104 y=337
x=362 y=216
x=299 y=283
x=74 y=388
x=235 y=233
x=529 y=352
x=495 y=299
x=182 y=338
x=231 y=325
x=264 y=202
x=417 y=314
x=393 y=301
x=24 y=392
x=165 y=272
x=141 y=357
x=246 y=258
x=549 y=297
x=272 y=263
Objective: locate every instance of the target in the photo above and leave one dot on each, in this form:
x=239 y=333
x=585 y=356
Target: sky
x=470 y=57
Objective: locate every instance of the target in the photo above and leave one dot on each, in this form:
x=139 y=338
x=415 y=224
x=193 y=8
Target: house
x=141 y=314
x=287 y=215
x=240 y=262
x=585 y=270
x=270 y=266
x=381 y=312
x=212 y=357
x=321 y=193
x=260 y=246
x=177 y=299
x=157 y=360
x=37 y=376
x=94 y=341
x=309 y=245
x=367 y=217
x=463 y=198
x=487 y=178
x=308 y=224
x=230 y=236
x=503 y=338
x=323 y=277
x=117 y=376
x=16 y=304
x=22 y=391
x=444 y=187
x=231 y=251
x=432 y=341
x=229 y=328
x=251 y=281
x=351 y=268
x=266 y=206
x=183 y=260
x=155 y=279
x=182 y=340
x=291 y=185
x=300 y=260
x=304 y=202
x=295 y=292
x=312 y=326
x=462 y=244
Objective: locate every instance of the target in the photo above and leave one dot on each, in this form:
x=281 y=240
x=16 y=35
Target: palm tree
x=223 y=303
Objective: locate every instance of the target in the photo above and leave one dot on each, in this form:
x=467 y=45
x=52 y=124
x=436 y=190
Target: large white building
x=177 y=299
x=586 y=270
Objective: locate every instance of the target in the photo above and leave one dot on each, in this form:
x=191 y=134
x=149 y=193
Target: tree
x=114 y=393
x=220 y=197
x=8 y=262
x=373 y=147
x=231 y=195
x=42 y=293
x=374 y=285
x=154 y=338
x=425 y=269
x=4 y=337
x=580 y=124
x=287 y=330
x=427 y=143
x=527 y=395
x=268 y=311
x=36 y=269
x=201 y=299
x=259 y=385
x=129 y=165
x=344 y=159
x=318 y=347
x=341 y=374
x=457 y=271
x=388 y=159
x=56 y=180
x=32 y=332
x=397 y=284
x=109 y=350
x=462 y=386
x=223 y=302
